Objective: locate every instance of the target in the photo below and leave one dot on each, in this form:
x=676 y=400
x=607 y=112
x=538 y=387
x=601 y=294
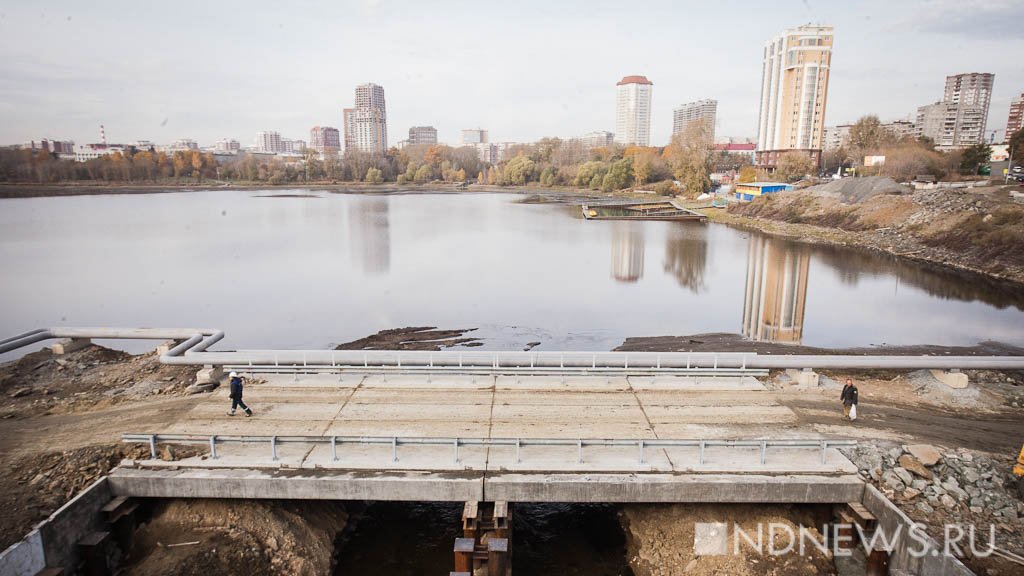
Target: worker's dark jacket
x=236 y=388
x=849 y=395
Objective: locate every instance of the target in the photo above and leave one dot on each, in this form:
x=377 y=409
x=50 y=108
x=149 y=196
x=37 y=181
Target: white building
x=699 y=111
x=184 y=144
x=268 y=142
x=474 y=136
x=633 y=111
x=366 y=125
x=227 y=146
x=599 y=139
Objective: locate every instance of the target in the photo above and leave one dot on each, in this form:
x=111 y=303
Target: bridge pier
x=69 y=345
x=806 y=377
x=209 y=375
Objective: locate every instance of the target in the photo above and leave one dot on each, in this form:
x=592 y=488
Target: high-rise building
x=972 y=93
x=835 y=137
x=325 y=139
x=633 y=111
x=699 y=111
x=794 y=90
x=474 y=136
x=1015 y=120
x=348 y=128
x=422 y=135
x=600 y=139
x=268 y=141
x=366 y=125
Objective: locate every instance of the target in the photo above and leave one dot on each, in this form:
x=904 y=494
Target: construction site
x=130 y=464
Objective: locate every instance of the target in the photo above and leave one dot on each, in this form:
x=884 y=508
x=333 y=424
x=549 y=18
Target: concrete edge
x=51 y=543
x=890 y=519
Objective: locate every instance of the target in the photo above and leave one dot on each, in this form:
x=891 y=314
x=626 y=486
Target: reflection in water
x=686 y=256
x=370 y=234
x=627 y=251
x=776 y=293
x=853 y=265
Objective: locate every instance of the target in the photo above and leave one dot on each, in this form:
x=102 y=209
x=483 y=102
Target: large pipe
x=195 y=342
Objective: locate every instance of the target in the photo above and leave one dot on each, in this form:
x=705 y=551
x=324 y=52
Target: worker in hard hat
x=236 y=395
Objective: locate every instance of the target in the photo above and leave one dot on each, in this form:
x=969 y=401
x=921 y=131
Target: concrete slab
x=728 y=488
x=697 y=383
x=719 y=414
x=565 y=383
x=296 y=484
x=425 y=381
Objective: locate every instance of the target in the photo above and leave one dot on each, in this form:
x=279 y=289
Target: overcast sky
x=213 y=69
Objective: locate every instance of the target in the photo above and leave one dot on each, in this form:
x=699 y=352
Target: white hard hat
x=233 y=374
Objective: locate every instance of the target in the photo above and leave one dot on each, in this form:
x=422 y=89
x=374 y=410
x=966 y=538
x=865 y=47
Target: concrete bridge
x=479 y=427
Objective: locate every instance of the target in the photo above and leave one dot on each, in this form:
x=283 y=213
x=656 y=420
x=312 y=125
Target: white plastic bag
x=853 y=412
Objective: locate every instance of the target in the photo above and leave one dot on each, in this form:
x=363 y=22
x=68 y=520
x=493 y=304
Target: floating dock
x=664 y=210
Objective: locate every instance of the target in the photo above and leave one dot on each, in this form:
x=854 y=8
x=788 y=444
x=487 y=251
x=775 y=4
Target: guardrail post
x=152 y=447
x=580 y=451
x=764 y=449
x=273 y=448
x=517 y=451
x=456 y=451
x=701 y=461
x=213 y=447
x=641 y=451
x=394 y=449
x=334 y=448
x=824 y=451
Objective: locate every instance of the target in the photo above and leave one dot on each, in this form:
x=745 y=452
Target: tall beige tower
x=794 y=90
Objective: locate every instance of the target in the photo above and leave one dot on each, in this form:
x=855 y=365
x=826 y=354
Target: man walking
x=236 y=395
x=849 y=398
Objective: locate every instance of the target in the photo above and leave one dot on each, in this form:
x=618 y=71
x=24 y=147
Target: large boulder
x=925 y=453
x=914 y=465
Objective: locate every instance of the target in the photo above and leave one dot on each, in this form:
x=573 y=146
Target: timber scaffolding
x=664 y=210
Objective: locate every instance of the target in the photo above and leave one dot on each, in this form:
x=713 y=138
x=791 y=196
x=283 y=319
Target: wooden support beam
x=464 y=548
x=497 y=557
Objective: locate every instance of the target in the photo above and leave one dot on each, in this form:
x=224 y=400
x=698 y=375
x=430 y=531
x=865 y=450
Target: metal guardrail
x=455 y=443
x=193 y=345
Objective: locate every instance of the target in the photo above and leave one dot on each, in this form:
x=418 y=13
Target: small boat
x=663 y=210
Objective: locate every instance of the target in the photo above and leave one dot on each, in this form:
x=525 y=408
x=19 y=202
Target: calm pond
x=294 y=268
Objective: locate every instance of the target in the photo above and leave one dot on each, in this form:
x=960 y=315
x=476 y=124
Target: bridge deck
x=488 y=407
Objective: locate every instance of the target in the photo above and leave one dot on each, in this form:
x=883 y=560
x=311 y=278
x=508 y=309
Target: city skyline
x=164 y=89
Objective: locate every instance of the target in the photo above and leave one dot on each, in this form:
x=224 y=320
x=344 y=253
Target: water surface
x=311 y=271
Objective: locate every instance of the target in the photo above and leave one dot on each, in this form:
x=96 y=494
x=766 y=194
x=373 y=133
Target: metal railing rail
x=455 y=443
x=194 y=344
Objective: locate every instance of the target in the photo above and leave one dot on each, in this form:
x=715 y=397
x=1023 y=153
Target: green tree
x=619 y=176
x=424 y=174
x=519 y=171
x=1017 y=146
x=974 y=157
x=588 y=171
x=374 y=175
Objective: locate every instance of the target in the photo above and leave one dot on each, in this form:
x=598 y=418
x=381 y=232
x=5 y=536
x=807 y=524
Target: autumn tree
x=973 y=158
x=519 y=171
x=690 y=155
x=374 y=176
x=793 y=165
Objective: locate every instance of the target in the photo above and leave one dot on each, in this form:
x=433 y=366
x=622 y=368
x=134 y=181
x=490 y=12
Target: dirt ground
x=977 y=229
x=214 y=537
x=661 y=540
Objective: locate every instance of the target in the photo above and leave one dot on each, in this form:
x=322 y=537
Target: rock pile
x=929 y=479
